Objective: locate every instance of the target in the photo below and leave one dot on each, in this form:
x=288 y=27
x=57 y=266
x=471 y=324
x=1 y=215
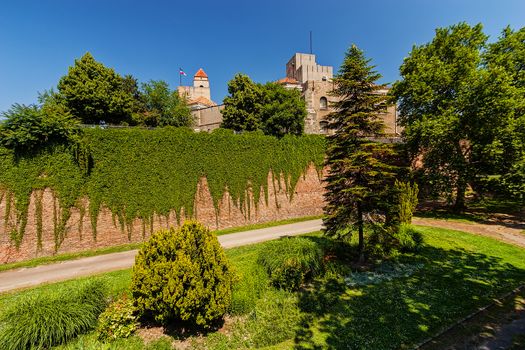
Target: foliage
x=27 y=128
x=453 y=275
x=248 y=289
x=462 y=107
x=360 y=179
x=274 y=319
x=119 y=320
x=283 y=110
x=271 y=108
x=163 y=107
x=407 y=200
x=408 y=238
x=141 y=173
x=242 y=105
x=45 y=320
x=291 y=261
x=96 y=93
x=182 y=275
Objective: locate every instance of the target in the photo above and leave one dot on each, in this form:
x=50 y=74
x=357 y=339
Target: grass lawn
x=453 y=275
x=121 y=248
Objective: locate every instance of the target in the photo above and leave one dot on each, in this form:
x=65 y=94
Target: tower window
x=201 y=86
x=323 y=103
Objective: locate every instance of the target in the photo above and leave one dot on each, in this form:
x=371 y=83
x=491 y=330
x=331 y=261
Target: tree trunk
x=361 y=235
x=459 y=205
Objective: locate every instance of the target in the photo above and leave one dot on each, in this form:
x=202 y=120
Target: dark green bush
x=291 y=261
x=408 y=238
x=45 y=320
x=119 y=320
x=182 y=275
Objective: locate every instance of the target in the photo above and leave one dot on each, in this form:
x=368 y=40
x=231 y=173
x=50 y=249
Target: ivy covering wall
x=137 y=173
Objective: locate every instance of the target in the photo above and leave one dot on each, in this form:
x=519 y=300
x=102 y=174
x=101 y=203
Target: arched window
x=323 y=103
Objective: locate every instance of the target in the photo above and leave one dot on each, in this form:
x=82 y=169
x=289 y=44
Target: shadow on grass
x=399 y=313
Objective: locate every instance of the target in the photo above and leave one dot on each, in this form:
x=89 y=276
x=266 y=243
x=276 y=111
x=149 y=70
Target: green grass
x=265 y=225
x=122 y=248
x=457 y=273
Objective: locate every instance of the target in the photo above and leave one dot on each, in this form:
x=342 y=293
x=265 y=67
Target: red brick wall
x=306 y=200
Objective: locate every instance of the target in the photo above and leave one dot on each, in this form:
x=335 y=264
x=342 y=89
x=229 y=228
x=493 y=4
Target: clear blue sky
x=152 y=39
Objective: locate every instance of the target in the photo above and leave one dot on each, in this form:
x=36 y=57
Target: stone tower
x=201 y=85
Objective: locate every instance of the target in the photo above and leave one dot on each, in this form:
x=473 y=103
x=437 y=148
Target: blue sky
x=152 y=39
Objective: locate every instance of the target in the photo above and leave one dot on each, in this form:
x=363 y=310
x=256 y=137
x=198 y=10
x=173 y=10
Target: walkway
x=30 y=277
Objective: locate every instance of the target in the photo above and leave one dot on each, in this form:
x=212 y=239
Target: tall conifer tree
x=360 y=178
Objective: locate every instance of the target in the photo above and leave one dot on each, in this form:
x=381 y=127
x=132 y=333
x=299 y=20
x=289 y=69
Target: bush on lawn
x=40 y=321
x=182 y=275
x=119 y=320
x=289 y=262
x=408 y=238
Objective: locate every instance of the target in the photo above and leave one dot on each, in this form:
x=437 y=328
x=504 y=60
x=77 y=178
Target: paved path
x=29 y=277
x=500 y=232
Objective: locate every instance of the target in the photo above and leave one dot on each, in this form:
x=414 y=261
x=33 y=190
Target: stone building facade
x=302 y=73
x=315 y=83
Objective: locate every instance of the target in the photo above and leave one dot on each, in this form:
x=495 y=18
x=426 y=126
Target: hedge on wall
x=137 y=173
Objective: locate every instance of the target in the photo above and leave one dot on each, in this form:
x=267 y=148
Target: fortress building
x=302 y=73
x=315 y=83
x=206 y=113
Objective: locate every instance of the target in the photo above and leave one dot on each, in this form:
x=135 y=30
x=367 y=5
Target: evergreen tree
x=360 y=178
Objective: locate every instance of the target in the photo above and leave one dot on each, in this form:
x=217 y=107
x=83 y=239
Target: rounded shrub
x=119 y=320
x=182 y=275
x=289 y=262
x=41 y=321
x=408 y=238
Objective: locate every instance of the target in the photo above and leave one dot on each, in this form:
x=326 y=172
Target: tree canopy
x=270 y=107
x=459 y=105
x=94 y=93
x=163 y=107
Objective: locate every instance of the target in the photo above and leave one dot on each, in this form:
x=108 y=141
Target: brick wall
x=306 y=200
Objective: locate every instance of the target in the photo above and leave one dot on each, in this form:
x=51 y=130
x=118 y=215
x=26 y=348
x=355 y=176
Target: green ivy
x=139 y=173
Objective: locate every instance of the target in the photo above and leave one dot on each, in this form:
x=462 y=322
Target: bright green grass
x=461 y=272
x=131 y=246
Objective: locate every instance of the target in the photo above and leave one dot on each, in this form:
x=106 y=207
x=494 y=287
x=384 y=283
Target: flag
x=181 y=72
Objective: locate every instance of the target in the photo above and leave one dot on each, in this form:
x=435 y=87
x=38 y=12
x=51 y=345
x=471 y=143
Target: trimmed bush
x=118 y=320
x=182 y=275
x=40 y=321
x=289 y=262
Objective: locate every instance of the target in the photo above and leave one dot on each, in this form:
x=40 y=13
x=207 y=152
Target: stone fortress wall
x=307 y=200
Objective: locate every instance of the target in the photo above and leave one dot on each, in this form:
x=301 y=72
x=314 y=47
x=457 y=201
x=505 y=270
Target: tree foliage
x=94 y=93
x=164 y=107
x=28 y=128
x=182 y=275
x=243 y=104
x=460 y=106
x=360 y=176
x=270 y=107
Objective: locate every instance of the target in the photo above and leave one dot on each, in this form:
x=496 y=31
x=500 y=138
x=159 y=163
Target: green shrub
x=274 y=319
x=407 y=200
x=119 y=320
x=289 y=262
x=408 y=238
x=182 y=275
x=39 y=321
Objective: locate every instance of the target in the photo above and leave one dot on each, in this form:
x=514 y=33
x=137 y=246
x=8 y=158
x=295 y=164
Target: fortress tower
x=198 y=95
